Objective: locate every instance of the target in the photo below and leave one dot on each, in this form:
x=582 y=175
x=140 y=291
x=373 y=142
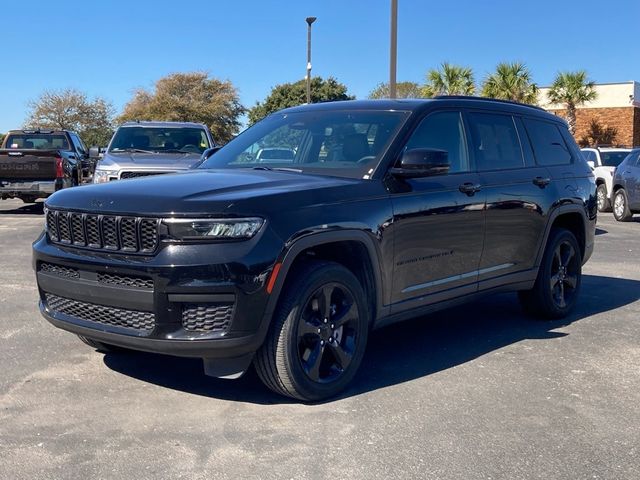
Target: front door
x=438 y=222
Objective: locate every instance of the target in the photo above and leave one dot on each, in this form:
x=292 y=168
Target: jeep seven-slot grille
x=92 y=312
x=103 y=232
x=208 y=317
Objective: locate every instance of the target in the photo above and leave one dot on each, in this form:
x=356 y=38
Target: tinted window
x=343 y=143
x=548 y=145
x=495 y=142
x=78 y=143
x=613 y=159
x=38 y=141
x=589 y=155
x=160 y=139
x=443 y=131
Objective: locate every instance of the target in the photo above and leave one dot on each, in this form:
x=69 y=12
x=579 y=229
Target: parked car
x=36 y=163
x=140 y=149
x=604 y=160
x=389 y=210
x=625 y=195
x=275 y=155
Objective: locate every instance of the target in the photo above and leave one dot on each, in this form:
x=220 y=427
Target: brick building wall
x=626 y=120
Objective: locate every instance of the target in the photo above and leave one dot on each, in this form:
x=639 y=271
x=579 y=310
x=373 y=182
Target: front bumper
x=199 y=300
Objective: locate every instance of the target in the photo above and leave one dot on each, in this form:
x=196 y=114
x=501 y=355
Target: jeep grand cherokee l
x=389 y=210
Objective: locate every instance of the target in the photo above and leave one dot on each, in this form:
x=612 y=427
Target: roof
x=416 y=104
x=151 y=124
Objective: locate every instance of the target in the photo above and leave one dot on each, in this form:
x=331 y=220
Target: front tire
x=621 y=210
x=559 y=278
x=318 y=335
x=604 y=205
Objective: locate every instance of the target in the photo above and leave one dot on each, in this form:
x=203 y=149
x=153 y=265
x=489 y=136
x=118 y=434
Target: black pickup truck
x=36 y=163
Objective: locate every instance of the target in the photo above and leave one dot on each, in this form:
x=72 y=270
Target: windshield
x=613 y=159
x=37 y=141
x=339 y=143
x=160 y=139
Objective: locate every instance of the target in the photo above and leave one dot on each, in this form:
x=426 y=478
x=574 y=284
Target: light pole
x=393 y=53
x=309 y=21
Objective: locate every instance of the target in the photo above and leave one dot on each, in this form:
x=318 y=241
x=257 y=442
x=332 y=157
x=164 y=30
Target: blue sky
x=109 y=48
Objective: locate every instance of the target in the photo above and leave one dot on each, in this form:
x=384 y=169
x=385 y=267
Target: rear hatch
x=24 y=165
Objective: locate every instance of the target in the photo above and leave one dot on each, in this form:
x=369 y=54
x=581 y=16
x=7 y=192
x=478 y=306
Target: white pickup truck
x=603 y=161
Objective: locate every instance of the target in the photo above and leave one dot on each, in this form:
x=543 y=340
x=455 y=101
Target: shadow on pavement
x=601 y=231
x=26 y=209
x=401 y=352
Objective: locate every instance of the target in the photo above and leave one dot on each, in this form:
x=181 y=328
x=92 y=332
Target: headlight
x=214 y=229
x=102 y=176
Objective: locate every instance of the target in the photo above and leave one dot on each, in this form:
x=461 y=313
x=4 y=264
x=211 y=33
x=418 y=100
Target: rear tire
x=318 y=335
x=100 y=346
x=604 y=204
x=559 y=278
x=621 y=210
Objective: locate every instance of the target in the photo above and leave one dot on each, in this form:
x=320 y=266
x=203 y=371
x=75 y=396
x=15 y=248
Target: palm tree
x=572 y=89
x=449 y=80
x=511 y=81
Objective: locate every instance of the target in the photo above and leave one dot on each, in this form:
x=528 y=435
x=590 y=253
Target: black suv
x=380 y=211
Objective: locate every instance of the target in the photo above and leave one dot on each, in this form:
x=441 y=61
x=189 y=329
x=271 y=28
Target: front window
x=160 y=140
x=340 y=143
x=613 y=159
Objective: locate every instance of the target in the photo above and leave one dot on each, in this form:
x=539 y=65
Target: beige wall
x=609 y=95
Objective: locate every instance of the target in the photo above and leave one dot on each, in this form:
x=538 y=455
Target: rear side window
x=589 y=155
x=548 y=145
x=495 y=142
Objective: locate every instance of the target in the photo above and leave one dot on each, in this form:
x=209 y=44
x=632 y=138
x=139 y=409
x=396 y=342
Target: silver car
x=149 y=148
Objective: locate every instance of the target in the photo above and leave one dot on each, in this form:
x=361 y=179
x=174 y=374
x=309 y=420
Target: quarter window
x=496 y=142
x=549 y=147
x=443 y=131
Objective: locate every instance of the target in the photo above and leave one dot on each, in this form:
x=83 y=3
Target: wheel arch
x=571 y=217
x=322 y=246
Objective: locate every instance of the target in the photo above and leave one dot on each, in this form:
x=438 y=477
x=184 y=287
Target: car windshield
x=160 y=140
x=613 y=159
x=339 y=143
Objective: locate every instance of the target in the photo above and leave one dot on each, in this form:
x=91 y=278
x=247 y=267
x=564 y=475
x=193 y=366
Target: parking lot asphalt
x=476 y=392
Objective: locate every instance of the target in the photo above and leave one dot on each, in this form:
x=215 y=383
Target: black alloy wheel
x=327 y=333
x=318 y=334
x=557 y=285
x=564 y=274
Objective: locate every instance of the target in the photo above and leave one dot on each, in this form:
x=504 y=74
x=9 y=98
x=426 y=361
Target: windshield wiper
x=280 y=169
x=133 y=150
x=173 y=150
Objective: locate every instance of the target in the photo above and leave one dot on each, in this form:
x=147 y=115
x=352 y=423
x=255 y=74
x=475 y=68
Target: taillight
x=59 y=169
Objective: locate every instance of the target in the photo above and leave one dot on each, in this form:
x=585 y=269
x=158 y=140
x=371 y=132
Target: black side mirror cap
x=422 y=162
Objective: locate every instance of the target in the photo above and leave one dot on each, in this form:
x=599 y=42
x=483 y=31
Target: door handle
x=541 y=181
x=469 y=188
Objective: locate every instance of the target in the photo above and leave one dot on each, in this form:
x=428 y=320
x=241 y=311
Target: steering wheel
x=191 y=147
x=366 y=159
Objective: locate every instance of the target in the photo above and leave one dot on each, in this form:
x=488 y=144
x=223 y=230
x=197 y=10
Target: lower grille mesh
x=208 y=317
x=92 y=312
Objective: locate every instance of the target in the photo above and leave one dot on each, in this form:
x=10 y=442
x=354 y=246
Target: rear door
x=518 y=194
x=631 y=175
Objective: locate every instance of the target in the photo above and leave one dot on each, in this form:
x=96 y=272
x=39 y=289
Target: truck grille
x=125 y=175
x=103 y=232
x=92 y=312
x=209 y=317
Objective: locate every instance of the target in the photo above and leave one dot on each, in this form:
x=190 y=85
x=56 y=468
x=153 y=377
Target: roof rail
x=487 y=99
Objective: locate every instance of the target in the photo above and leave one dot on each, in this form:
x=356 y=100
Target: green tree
x=572 y=89
x=449 y=79
x=292 y=94
x=403 y=90
x=189 y=97
x=71 y=109
x=2 y=135
x=511 y=81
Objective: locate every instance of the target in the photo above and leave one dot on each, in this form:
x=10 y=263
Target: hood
x=208 y=192
x=177 y=161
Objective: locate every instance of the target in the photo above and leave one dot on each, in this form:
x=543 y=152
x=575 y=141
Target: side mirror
x=205 y=156
x=94 y=152
x=422 y=162
x=591 y=164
